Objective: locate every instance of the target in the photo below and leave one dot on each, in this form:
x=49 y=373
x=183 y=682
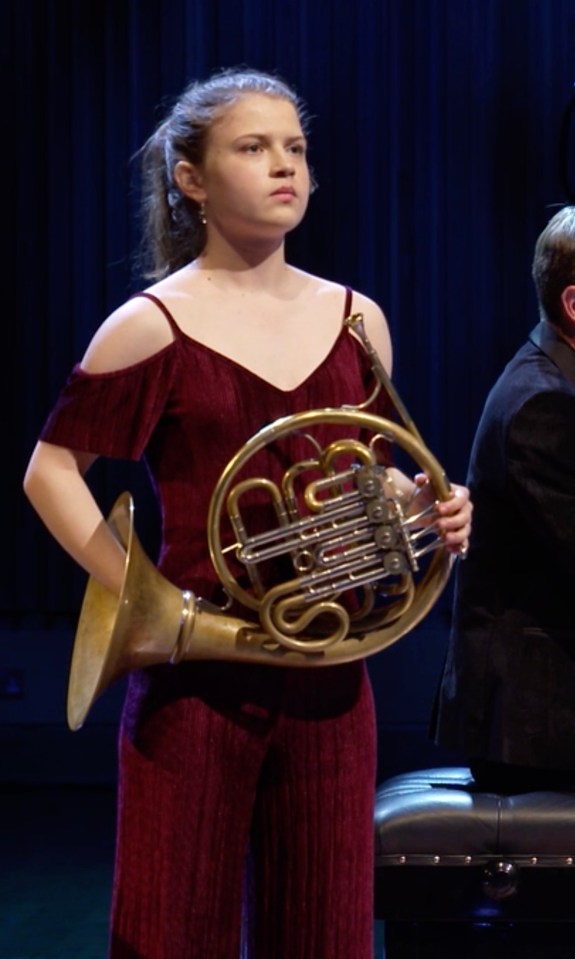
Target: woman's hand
x=453 y=515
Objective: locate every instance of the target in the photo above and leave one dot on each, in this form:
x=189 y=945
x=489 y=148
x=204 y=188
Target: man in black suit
x=507 y=694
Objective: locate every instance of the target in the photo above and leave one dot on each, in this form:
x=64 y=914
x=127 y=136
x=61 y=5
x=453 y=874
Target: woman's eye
x=252 y=148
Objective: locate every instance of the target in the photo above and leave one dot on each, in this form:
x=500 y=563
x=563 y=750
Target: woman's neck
x=248 y=268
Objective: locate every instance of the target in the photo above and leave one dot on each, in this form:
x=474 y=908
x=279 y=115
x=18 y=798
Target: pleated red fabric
x=281 y=762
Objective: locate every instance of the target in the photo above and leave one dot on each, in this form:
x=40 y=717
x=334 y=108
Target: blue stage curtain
x=435 y=143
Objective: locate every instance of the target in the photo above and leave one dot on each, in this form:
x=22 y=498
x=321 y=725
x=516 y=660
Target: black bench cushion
x=438 y=815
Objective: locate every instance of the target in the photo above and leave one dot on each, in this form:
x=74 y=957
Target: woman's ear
x=189 y=181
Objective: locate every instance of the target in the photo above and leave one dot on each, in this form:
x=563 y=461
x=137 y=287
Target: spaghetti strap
x=161 y=306
x=178 y=332
x=348 y=299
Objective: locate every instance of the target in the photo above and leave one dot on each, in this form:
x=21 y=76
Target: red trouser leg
x=299 y=757
x=313 y=831
x=185 y=808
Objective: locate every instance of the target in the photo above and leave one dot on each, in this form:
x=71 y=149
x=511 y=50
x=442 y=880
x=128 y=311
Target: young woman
x=219 y=758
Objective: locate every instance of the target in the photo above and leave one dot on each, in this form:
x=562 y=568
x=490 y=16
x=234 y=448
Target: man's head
x=554 y=270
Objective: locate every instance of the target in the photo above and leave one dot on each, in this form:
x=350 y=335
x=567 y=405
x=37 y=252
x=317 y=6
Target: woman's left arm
x=453 y=516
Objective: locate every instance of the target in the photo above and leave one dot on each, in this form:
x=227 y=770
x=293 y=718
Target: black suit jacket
x=508 y=688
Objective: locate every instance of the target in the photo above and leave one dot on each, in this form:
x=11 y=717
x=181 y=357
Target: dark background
x=442 y=142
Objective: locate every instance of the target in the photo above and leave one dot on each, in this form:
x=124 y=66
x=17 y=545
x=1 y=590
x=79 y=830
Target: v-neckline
x=183 y=336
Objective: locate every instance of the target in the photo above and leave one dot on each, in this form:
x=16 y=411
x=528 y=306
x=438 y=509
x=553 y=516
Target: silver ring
x=464 y=551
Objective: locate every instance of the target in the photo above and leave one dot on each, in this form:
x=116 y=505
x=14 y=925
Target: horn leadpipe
x=356 y=327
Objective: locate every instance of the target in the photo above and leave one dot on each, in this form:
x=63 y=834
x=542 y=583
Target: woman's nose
x=282 y=164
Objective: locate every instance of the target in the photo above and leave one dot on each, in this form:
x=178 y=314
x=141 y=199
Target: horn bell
x=151 y=622
x=117 y=634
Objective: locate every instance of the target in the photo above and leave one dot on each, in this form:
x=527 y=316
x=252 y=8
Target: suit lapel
x=555 y=348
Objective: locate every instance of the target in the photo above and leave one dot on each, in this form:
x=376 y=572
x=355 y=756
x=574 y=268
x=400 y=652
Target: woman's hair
x=554 y=263
x=173 y=231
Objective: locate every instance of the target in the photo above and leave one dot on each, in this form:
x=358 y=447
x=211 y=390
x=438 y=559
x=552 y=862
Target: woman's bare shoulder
x=376 y=327
x=132 y=333
x=316 y=285
x=360 y=302
x=375 y=322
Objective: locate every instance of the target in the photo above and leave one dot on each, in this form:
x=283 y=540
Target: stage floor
x=56 y=854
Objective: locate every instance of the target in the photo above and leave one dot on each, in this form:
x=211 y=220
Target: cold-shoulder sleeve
x=112 y=414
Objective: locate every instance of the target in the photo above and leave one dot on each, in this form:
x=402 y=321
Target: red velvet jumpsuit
x=246 y=790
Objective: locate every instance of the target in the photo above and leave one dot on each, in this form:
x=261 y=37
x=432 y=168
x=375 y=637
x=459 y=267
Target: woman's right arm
x=54 y=481
x=55 y=485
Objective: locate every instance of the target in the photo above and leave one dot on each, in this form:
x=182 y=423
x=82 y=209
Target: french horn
x=365 y=564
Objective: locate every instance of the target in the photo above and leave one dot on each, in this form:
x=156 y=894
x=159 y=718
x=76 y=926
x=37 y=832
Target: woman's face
x=254 y=176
